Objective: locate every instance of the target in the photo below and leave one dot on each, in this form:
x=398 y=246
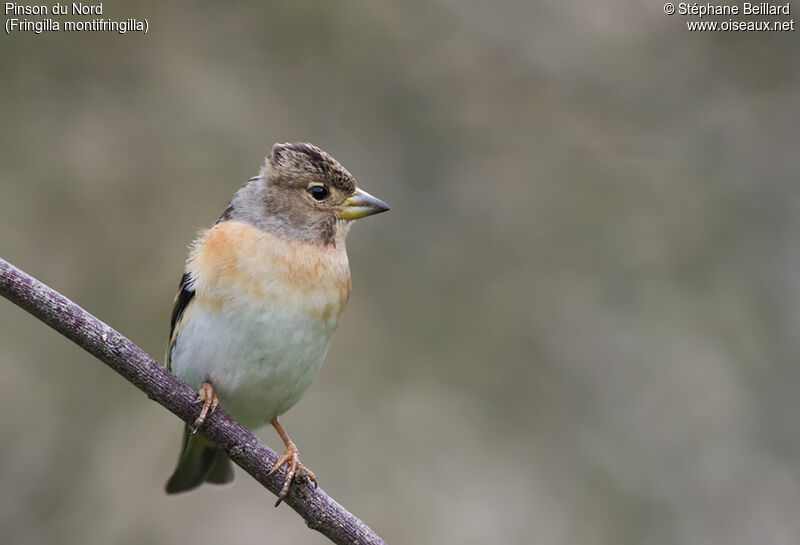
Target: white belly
x=260 y=360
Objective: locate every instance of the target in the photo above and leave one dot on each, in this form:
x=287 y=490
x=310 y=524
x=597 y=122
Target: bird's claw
x=291 y=456
x=208 y=397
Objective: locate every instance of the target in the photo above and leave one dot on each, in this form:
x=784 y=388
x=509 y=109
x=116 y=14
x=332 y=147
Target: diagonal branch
x=320 y=511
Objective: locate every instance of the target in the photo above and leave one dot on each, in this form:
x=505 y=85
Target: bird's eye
x=319 y=192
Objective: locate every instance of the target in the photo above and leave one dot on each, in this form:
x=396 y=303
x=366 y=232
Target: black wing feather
x=185 y=295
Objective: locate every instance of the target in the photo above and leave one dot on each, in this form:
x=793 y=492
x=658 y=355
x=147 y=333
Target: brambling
x=260 y=298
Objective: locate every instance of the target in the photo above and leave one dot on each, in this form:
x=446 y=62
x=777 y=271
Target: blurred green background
x=578 y=324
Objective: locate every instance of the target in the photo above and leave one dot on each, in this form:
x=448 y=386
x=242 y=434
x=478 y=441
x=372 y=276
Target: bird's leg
x=291 y=456
x=207 y=395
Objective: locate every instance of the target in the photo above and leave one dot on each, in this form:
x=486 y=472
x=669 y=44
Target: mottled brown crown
x=301 y=162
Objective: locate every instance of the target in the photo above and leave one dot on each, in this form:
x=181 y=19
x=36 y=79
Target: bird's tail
x=200 y=461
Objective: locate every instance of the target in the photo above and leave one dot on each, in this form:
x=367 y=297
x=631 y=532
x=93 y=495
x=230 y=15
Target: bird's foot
x=291 y=456
x=210 y=402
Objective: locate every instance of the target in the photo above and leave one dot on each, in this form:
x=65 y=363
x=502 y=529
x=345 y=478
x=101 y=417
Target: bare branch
x=320 y=511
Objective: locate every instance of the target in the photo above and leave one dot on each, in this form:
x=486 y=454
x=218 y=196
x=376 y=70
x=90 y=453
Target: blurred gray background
x=578 y=324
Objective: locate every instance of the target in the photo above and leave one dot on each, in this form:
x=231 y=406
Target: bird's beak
x=360 y=205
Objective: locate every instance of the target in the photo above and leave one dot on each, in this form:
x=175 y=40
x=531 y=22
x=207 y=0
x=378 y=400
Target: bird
x=261 y=295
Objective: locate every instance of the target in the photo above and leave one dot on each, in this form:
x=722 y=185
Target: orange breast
x=235 y=261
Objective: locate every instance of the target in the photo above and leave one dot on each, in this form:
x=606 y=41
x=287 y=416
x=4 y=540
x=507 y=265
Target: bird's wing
x=185 y=295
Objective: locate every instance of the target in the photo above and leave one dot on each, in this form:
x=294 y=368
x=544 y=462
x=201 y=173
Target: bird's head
x=304 y=193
